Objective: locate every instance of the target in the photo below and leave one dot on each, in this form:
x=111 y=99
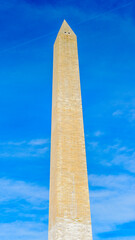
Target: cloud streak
x=20 y=149
x=125 y=160
x=38 y=142
x=18 y=190
x=112 y=201
x=117 y=113
x=98 y=133
x=23 y=231
x=121 y=156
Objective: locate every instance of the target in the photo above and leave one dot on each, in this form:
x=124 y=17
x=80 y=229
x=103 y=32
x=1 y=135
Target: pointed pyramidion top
x=66 y=30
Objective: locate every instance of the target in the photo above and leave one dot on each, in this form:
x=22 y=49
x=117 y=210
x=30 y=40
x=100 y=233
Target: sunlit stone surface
x=69 y=208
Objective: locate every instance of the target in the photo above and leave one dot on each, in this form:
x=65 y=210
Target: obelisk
x=69 y=207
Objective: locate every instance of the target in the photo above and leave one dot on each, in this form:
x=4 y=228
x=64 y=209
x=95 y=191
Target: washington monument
x=69 y=207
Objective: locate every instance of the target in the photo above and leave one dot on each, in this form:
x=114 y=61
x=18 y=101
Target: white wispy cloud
x=23 y=231
x=126 y=108
x=38 y=142
x=122 y=156
x=98 y=133
x=121 y=149
x=24 y=152
x=117 y=113
x=127 y=160
x=112 y=201
x=28 y=198
x=14 y=143
x=117 y=238
x=112 y=147
x=20 y=149
x=117 y=148
x=132 y=115
x=17 y=190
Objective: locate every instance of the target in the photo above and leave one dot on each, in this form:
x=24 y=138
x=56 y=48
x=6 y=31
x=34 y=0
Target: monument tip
x=65 y=28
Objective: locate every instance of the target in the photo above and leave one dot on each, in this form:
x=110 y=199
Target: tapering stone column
x=69 y=208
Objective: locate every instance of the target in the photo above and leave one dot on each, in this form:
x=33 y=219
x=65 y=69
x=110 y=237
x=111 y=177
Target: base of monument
x=70 y=230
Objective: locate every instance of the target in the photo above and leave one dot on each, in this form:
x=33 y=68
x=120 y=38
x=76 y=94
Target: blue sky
x=106 y=45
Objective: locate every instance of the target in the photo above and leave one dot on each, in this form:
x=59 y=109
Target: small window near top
x=65 y=32
x=68 y=32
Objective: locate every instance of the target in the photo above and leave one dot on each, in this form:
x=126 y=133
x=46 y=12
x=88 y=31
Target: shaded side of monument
x=69 y=207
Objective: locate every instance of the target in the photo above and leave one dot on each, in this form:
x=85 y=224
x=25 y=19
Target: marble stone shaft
x=69 y=207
